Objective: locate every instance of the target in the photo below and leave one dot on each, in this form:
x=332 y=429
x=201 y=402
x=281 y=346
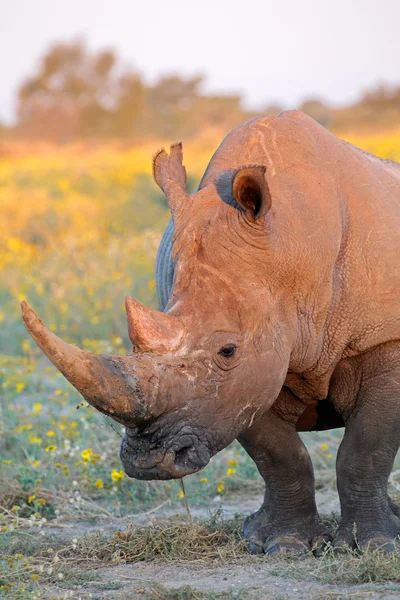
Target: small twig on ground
x=190 y=520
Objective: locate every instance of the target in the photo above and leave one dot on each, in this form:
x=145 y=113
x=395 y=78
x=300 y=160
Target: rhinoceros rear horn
x=107 y=382
x=150 y=330
x=170 y=175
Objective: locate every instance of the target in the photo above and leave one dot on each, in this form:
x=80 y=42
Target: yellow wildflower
x=37 y=407
x=33 y=439
x=26 y=346
x=220 y=487
x=324 y=446
x=51 y=448
x=87 y=454
x=1 y=317
x=117 y=475
x=19 y=387
x=35 y=463
x=230 y=472
x=58 y=392
x=329 y=456
x=21 y=428
x=204 y=480
x=6 y=462
x=41 y=501
x=181 y=494
x=31 y=498
x=99 y=483
x=232 y=463
x=51 y=433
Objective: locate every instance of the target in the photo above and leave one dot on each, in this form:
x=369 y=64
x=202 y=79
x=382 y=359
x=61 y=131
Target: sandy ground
x=255 y=575
x=255 y=579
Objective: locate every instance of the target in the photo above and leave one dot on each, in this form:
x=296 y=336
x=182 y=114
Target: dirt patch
x=159 y=558
x=254 y=581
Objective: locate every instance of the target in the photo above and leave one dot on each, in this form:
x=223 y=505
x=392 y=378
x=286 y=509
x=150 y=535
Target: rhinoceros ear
x=170 y=175
x=250 y=190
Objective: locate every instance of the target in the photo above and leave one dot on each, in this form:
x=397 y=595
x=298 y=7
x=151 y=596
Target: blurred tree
x=131 y=99
x=316 y=109
x=170 y=103
x=274 y=110
x=220 y=111
x=377 y=109
x=78 y=94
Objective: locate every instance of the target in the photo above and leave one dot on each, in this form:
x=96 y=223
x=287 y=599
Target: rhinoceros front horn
x=107 y=382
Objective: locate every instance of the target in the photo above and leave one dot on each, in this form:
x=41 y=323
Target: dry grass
x=351 y=568
x=52 y=560
x=167 y=540
x=175 y=540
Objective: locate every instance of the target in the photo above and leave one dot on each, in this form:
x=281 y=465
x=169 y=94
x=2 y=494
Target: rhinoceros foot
x=379 y=533
x=295 y=538
x=382 y=537
x=343 y=544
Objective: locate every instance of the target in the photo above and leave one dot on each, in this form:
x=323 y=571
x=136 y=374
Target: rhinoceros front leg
x=288 y=520
x=365 y=459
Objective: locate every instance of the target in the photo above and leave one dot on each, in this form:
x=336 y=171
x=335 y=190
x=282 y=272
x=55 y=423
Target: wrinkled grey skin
x=165 y=267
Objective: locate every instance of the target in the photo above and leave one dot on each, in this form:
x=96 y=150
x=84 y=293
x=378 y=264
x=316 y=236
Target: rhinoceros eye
x=228 y=351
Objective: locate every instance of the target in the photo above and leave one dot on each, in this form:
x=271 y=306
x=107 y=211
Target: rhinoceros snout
x=168 y=459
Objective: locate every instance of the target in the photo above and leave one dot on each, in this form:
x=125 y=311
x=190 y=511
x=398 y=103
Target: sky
x=281 y=51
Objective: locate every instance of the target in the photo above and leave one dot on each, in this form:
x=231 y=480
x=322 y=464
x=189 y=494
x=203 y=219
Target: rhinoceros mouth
x=169 y=458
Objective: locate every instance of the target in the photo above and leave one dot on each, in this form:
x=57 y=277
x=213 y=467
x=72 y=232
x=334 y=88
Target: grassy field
x=79 y=231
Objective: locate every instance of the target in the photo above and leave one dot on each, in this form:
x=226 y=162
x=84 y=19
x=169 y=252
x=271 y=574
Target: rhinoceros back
x=165 y=267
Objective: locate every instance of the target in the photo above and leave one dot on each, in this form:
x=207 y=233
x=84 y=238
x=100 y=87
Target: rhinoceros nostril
x=182 y=456
x=193 y=456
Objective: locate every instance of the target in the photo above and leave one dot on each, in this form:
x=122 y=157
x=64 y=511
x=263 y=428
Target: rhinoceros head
x=203 y=370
